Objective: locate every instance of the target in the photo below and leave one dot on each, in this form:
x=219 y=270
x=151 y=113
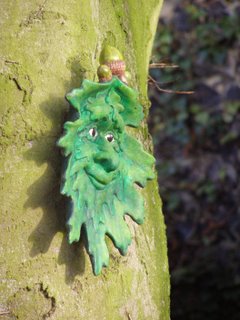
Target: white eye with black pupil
x=93 y=132
x=109 y=137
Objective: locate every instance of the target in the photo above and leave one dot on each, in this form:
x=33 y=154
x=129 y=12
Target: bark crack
x=34 y=16
x=12 y=70
x=45 y=293
x=27 y=92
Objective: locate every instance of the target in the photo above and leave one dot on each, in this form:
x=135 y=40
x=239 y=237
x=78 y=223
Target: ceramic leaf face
x=103 y=165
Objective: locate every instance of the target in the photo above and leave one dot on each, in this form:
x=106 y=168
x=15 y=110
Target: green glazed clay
x=103 y=165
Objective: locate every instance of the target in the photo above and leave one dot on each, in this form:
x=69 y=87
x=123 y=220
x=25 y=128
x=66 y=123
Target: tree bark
x=47 y=48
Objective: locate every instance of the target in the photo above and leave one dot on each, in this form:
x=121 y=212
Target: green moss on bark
x=47 y=48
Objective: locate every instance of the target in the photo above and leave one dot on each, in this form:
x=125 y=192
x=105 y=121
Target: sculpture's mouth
x=98 y=184
x=98 y=176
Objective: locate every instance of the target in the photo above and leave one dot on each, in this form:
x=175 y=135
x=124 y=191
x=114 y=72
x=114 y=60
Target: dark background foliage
x=196 y=139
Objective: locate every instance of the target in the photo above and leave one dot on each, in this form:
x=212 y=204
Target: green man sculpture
x=104 y=162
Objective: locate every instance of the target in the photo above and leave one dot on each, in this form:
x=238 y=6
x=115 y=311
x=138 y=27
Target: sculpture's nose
x=109 y=161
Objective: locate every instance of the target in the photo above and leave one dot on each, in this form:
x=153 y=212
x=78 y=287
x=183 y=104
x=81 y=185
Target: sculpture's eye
x=109 y=137
x=93 y=132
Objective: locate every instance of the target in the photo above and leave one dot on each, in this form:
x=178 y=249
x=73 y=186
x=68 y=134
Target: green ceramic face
x=103 y=164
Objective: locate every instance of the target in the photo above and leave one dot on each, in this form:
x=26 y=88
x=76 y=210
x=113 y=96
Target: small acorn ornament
x=104 y=73
x=111 y=60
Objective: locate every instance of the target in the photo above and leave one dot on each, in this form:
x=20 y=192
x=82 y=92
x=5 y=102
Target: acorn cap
x=117 y=67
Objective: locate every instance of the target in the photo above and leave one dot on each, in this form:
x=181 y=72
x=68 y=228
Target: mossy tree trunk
x=47 y=48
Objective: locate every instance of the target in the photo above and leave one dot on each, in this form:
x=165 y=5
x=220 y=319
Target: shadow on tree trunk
x=45 y=192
